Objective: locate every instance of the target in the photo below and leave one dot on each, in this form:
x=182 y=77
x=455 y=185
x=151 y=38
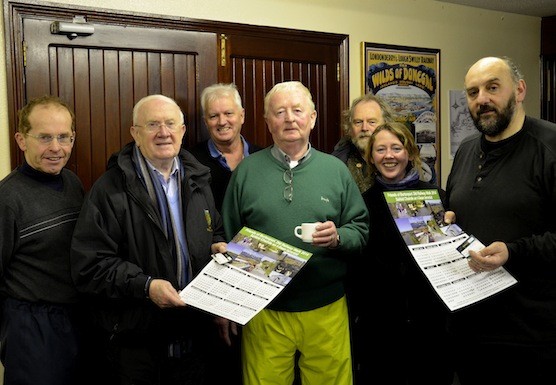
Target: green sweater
x=323 y=190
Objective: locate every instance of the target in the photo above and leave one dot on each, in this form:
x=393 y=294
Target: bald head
x=497 y=63
x=495 y=92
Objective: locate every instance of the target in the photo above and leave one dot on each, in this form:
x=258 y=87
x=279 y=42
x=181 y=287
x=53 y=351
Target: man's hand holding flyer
x=241 y=282
x=441 y=250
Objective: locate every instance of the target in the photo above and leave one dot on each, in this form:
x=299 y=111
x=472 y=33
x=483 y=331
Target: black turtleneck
x=55 y=182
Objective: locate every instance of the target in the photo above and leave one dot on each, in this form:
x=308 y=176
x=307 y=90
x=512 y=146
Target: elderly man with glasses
x=39 y=204
x=273 y=191
x=148 y=226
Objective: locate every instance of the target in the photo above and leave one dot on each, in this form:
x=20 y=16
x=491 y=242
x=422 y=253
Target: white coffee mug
x=305 y=231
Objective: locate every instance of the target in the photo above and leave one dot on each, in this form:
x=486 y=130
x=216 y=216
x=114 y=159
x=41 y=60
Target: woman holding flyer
x=406 y=316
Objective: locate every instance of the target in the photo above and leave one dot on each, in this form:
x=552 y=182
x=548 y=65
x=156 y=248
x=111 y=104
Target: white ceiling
x=540 y=8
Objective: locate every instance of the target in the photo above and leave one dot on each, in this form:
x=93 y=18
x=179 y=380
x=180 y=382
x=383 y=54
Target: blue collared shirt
x=216 y=154
x=172 y=192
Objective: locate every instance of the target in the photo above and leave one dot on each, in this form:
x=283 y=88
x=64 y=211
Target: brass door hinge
x=24 y=48
x=223 y=39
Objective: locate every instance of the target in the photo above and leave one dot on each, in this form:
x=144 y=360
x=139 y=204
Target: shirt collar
x=285 y=159
x=216 y=154
x=173 y=173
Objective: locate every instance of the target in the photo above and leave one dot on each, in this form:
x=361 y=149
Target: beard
x=361 y=141
x=495 y=125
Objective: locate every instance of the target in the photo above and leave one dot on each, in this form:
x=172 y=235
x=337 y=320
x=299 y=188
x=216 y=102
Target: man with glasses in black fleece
x=273 y=191
x=39 y=204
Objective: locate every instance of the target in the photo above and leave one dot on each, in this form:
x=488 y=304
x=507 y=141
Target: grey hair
x=148 y=98
x=217 y=91
x=347 y=116
x=515 y=72
x=287 y=86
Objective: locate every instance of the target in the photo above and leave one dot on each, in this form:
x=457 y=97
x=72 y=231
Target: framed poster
x=407 y=79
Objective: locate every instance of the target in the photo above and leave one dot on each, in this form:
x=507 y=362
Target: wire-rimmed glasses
x=288 y=190
x=155 y=126
x=63 y=139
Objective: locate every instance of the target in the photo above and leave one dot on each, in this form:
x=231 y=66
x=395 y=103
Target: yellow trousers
x=271 y=338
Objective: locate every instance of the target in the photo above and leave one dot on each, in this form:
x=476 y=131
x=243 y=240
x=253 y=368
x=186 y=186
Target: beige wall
x=463 y=34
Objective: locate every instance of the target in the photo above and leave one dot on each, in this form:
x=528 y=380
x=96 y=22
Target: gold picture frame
x=407 y=78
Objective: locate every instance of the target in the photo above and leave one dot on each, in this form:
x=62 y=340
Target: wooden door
x=131 y=55
x=548 y=68
x=102 y=76
x=256 y=63
x=548 y=92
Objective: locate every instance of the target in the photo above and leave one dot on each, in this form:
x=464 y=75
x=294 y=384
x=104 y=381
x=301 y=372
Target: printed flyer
x=256 y=270
x=441 y=250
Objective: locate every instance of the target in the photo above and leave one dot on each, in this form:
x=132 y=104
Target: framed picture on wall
x=461 y=122
x=407 y=78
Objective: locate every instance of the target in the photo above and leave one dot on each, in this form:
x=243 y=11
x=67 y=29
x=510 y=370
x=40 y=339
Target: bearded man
x=367 y=112
x=502 y=188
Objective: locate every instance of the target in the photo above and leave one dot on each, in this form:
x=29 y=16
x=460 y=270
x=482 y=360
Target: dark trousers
x=177 y=349
x=40 y=344
x=485 y=364
x=401 y=353
x=224 y=362
x=146 y=361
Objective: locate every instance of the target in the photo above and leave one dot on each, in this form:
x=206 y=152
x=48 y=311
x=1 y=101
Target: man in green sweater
x=273 y=191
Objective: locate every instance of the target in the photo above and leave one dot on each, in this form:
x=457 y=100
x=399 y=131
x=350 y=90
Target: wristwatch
x=148 y=286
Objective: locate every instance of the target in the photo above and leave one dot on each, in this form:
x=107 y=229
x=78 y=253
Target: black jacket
x=119 y=241
x=400 y=287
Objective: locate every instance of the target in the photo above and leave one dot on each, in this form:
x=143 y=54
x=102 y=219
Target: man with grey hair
x=224 y=116
x=502 y=188
x=273 y=191
x=366 y=113
x=147 y=227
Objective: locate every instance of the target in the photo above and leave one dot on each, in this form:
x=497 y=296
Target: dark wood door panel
x=102 y=77
x=255 y=78
x=548 y=96
x=257 y=64
x=132 y=54
x=284 y=46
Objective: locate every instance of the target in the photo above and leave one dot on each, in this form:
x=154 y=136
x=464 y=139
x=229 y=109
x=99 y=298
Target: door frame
x=548 y=68
x=15 y=11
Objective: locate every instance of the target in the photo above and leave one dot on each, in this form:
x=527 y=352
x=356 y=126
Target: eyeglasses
x=156 y=126
x=288 y=190
x=63 y=139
